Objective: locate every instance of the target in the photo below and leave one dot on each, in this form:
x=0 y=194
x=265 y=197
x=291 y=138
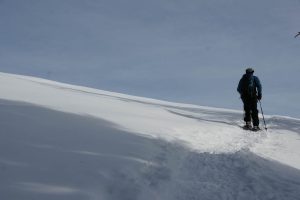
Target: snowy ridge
x=106 y=93
x=71 y=142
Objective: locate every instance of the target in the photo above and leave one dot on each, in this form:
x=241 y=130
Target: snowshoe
x=256 y=128
x=247 y=127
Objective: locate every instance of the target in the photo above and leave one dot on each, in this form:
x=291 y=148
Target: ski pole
x=262 y=114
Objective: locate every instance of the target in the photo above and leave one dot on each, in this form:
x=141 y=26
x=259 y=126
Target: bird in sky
x=297 y=34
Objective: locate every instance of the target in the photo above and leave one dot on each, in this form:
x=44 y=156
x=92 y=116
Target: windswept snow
x=70 y=142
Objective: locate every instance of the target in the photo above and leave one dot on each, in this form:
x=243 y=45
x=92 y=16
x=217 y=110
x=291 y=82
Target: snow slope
x=59 y=141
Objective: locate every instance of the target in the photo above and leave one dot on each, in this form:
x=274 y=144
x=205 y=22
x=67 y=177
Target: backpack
x=249 y=86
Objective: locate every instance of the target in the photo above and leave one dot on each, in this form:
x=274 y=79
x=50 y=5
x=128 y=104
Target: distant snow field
x=60 y=141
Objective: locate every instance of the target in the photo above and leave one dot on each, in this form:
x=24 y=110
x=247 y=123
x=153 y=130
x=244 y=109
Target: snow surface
x=59 y=141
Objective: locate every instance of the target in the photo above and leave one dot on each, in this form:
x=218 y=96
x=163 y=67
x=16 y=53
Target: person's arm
x=259 y=88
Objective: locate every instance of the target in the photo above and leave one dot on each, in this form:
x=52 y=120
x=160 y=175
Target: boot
x=255 y=128
x=248 y=125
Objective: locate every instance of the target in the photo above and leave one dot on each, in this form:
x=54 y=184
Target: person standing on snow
x=250 y=90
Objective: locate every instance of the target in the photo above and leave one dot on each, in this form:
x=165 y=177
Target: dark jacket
x=243 y=87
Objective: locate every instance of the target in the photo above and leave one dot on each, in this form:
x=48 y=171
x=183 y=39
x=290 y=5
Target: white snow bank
x=70 y=142
x=47 y=154
x=202 y=128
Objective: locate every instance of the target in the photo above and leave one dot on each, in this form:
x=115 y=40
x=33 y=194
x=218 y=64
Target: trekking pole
x=262 y=115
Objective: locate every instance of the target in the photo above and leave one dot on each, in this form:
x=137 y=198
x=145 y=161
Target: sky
x=191 y=51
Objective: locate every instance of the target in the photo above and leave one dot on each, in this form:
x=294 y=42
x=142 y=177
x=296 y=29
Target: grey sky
x=191 y=51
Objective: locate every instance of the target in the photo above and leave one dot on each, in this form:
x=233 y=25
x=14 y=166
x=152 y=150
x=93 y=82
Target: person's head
x=249 y=71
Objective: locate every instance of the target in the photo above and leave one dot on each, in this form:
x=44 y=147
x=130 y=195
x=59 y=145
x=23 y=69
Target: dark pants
x=250 y=108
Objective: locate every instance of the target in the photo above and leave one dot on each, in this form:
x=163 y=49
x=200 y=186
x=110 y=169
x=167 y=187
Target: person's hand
x=259 y=96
